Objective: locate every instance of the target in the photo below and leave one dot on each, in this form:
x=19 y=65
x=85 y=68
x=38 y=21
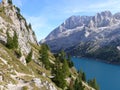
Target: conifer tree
x=44 y=56
x=59 y=78
x=9 y=41
x=62 y=56
x=10 y=1
x=78 y=85
x=12 y=43
x=93 y=84
x=83 y=77
x=15 y=40
x=65 y=68
x=70 y=63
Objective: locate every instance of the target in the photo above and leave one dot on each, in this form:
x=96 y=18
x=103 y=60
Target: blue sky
x=46 y=15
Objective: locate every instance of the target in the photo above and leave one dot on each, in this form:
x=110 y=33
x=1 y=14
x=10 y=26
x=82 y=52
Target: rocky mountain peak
x=100 y=28
x=4 y=1
x=106 y=14
x=117 y=16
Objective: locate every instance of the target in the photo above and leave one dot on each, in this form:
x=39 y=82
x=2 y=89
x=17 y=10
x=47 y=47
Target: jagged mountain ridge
x=79 y=31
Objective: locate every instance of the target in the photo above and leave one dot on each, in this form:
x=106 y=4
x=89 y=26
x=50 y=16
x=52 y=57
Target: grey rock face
x=101 y=29
x=12 y=21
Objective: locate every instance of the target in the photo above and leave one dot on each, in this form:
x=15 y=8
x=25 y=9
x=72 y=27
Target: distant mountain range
x=89 y=36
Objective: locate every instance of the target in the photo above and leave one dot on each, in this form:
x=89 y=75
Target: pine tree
x=59 y=78
x=30 y=26
x=62 y=56
x=12 y=43
x=18 y=10
x=9 y=41
x=15 y=40
x=70 y=63
x=65 y=68
x=78 y=85
x=93 y=84
x=83 y=77
x=44 y=56
x=10 y=1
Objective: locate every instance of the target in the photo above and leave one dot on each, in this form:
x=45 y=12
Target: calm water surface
x=107 y=75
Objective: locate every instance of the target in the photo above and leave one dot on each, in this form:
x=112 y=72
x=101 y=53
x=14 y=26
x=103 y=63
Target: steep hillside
x=17 y=40
x=86 y=35
x=24 y=64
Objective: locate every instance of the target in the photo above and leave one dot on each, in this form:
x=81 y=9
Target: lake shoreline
x=104 y=72
x=99 y=60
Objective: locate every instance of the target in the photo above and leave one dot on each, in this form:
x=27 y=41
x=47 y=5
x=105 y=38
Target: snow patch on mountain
x=102 y=28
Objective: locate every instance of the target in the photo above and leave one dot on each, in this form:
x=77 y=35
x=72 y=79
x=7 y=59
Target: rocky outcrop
x=12 y=21
x=39 y=83
x=15 y=73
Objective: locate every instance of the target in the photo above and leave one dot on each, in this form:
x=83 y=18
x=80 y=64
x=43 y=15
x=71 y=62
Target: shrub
x=9 y=41
x=12 y=43
x=93 y=84
x=18 y=10
x=44 y=56
x=29 y=57
x=15 y=40
x=18 y=53
x=24 y=88
x=10 y=1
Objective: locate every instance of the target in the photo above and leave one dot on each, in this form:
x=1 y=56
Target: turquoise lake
x=107 y=75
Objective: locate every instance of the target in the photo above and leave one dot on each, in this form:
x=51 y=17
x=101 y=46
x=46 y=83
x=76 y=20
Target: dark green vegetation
x=10 y=1
x=12 y=42
x=15 y=40
x=78 y=85
x=78 y=82
x=61 y=70
x=44 y=56
x=81 y=77
x=29 y=57
x=18 y=53
x=93 y=84
x=108 y=53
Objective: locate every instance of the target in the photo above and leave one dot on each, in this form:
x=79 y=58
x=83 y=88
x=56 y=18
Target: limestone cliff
x=15 y=74
x=12 y=21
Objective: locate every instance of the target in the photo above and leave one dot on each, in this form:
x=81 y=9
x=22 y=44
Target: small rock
x=43 y=74
x=1 y=78
x=37 y=82
x=22 y=59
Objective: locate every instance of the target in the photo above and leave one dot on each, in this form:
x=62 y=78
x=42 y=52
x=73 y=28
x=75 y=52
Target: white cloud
x=112 y=5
